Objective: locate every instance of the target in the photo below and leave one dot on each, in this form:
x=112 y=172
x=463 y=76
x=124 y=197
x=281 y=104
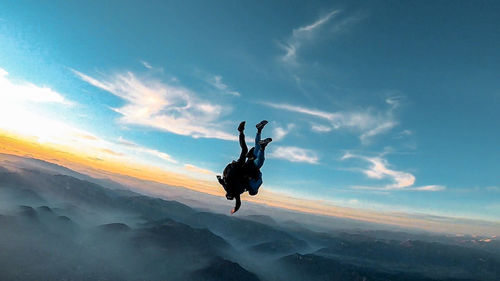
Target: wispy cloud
x=151 y=67
x=193 y=168
x=304 y=110
x=379 y=128
x=280 y=133
x=368 y=122
x=327 y=25
x=146 y=64
x=156 y=104
x=379 y=169
x=402 y=134
x=302 y=34
x=216 y=82
x=493 y=188
x=112 y=152
x=135 y=148
x=310 y=28
x=295 y=154
x=125 y=142
x=429 y=188
x=320 y=128
x=19 y=117
x=15 y=117
x=13 y=92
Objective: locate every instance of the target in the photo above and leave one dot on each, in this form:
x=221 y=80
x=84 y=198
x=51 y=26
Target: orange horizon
x=69 y=157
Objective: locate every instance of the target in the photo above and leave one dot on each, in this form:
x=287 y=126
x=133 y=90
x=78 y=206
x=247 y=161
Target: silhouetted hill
x=154 y=208
x=28 y=212
x=88 y=195
x=170 y=234
x=222 y=270
x=114 y=227
x=274 y=248
x=243 y=231
x=261 y=219
x=313 y=267
x=417 y=256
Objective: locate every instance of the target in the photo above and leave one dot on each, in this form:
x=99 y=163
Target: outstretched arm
x=223 y=183
x=237 y=206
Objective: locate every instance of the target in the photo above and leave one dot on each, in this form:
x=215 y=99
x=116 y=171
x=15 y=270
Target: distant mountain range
x=57 y=224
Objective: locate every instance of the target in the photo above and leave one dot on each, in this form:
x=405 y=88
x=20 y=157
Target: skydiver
x=244 y=174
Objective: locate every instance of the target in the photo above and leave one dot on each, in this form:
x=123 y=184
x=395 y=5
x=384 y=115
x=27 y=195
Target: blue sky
x=383 y=105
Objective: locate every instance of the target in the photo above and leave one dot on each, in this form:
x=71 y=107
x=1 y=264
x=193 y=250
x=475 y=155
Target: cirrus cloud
x=379 y=169
x=216 y=81
x=156 y=104
x=302 y=35
x=295 y=154
x=368 y=123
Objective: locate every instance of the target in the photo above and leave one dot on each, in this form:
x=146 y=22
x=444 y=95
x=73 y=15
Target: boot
x=263 y=143
x=261 y=125
x=241 y=127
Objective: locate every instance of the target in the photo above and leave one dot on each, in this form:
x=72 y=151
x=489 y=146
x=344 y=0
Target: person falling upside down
x=244 y=174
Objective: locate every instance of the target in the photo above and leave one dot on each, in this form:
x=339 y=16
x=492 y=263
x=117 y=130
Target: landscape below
x=57 y=224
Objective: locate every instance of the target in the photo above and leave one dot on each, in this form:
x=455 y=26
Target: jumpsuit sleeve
x=237 y=206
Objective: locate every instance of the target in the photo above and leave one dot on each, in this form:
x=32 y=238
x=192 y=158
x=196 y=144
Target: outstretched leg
x=259 y=149
x=259 y=127
x=243 y=144
x=259 y=157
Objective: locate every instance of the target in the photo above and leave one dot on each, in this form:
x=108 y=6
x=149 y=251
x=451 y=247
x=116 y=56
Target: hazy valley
x=57 y=224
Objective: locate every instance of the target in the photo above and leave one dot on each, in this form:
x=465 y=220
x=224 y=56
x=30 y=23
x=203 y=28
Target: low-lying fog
x=56 y=224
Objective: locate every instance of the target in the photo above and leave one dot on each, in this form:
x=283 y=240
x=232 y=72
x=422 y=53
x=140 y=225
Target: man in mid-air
x=244 y=174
